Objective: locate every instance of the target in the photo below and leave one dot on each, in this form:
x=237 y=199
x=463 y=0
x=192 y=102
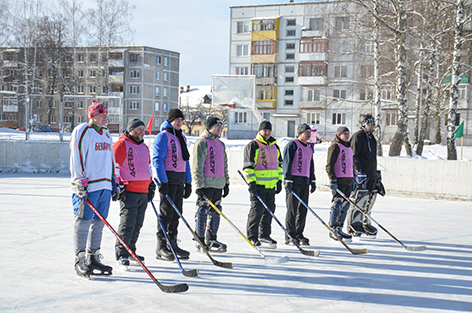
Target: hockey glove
x=225 y=190
x=361 y=179
x=313 y=187
x=333 y=184
x=122 y=190
x=151 y=191
x=164 y=189
x=288 y=186
x=79 y=187
x=115 y=193
x=380 y=188
x=187 y=190
x=278 y=187
x=252 y=187
x=200 y=193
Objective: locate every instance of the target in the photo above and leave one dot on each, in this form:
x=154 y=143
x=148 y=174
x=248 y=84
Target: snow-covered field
x=37 y=275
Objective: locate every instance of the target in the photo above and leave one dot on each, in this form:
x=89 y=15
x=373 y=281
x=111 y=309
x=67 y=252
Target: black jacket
x=364 y=148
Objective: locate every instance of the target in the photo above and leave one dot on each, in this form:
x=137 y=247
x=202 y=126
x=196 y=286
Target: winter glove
x=151 y=191
x=278 y=187
x=252 y=187
x=225 y=190
x=79 y=187
x=115 y=193
x=164 y=189
x=122 y=190
x=200 y=193
x=187 y=190
x=333 y=184
x=313 y=187
x=288 y=186
x=361 y=179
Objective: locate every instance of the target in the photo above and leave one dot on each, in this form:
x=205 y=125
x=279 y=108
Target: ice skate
x=96 y=267
x=289 y=242
x=268 y=243
x=162 y=252
x=181 y=253
x=370 y=232
x=80 y=265
x=123 y=263
x=303 y=240
x=134 y=262
x=216 y=246
x=345 y=237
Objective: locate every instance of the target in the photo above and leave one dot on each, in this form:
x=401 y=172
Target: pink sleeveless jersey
x=343 y=166
x=267 y=159
x=214 y=163
x=136 y=163
x=302 y=160
x=173 y=161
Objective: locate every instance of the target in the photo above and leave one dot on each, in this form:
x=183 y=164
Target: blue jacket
x=159 y=152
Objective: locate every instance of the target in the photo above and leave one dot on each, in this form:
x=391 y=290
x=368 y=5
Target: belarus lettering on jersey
x=102 y=146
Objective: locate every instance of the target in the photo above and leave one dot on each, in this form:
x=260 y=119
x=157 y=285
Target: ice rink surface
x=37 y=275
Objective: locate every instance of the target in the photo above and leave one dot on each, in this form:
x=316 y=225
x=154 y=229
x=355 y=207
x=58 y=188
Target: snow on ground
x=434 y=152
x=37 y=275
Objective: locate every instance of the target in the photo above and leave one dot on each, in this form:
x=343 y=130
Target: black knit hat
x=135 y=122
x=265 y=125
x=341 y=130
x=212 y=121
x=174 y=114
x=303 y=127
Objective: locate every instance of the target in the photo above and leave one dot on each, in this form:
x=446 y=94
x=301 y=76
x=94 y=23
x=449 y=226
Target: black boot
x=162 y=252
x=182 y=254
x=96 y=267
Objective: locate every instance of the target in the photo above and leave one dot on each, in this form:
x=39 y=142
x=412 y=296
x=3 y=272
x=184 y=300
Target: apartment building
x=133 y=81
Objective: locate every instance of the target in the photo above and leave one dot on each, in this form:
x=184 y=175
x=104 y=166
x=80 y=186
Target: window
x=339 y=118
x=263 y=47
x=39 y=119
x=340 y=71
x=313 y=118
x=92 y=73
x=242 y=70
x=316 y=23
x=368 y=46
x=80 y=89
x=164 y=92
x=387 y=94
x=133 y=90
x=289 y=69
x=242 y=50
x=242 y=27
x=266 y=116
x=288 y=102
x=341 y=22
x=262 y=25
x=93 y=58
x=367 y=71
x=39 y=104
x=80 y=104
x=158 y=60
x=457 y=122
x=289 y=79
x=264 y=70
x=462 y=93
x=158 y=76
x=104 y=73
x=92 y=89
x=80 y=73
x=134 y=58
x=312 y=44
x=290 y=56
x=313 y=95
x=68 y=119
x=156 y=106
x=158 y=91
x=166 y=77
x=391 y=119
x=54 y=104
x=291 y=22
x=53 y=119
x=134 y=105
x=80 y=58
x=165 y=107
x=166 y=61
x=68 y=104
x=339 y=94
x=291 y=32
x=240 y=117
x=104 y=89
x=80 y=119
x=290 y=46
x=134 y=74
x=312 y=69
x=366 y=94
x=264 y=93
x=289 y=92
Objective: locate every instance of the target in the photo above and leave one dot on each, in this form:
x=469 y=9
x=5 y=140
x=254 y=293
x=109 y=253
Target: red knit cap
x=96 y=108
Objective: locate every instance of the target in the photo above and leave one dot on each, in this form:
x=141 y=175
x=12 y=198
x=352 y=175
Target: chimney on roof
x=188 y=88
x=181 y=89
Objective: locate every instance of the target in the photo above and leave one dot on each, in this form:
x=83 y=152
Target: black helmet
x=366 y=119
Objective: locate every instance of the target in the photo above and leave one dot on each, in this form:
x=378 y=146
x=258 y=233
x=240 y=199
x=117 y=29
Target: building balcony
x=264 y=35
x=314 y=56
x=266 y=104
x=265 y=58
x=10 y=108
x=311 y=105
x=115 y=79
x=9 y=63
x=116 y=94
x=116 y=63
x=266 y=80
x=312 y=80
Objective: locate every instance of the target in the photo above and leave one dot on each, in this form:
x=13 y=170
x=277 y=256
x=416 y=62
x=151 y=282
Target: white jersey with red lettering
x=91 y=156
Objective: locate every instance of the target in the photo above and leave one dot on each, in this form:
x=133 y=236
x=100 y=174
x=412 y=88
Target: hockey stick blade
x=281 y=260
x=310 y=252
x=172 y=288
x=190 y=273
x=418 y=248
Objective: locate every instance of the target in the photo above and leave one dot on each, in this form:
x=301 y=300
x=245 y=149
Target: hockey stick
x=409 y=248
x=353 y=251
x=164 y=288
x=189 y=273
x=303 y=251
x=217 y=263
x=268 y=260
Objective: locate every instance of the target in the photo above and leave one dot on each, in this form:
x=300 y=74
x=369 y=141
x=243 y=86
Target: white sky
x=198 y=30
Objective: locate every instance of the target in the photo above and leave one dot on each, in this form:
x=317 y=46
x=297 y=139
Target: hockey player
x=263 y=170
x=133 y=164
x=171 y=161
x=315 y=137
x=92 y=173
x=210 y=175
x=340 y=172
x=299 y=176
x=364 y=148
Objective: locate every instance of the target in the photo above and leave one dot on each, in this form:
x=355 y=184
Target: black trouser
x=259 y=219
x=169 y=217
x=295 y=219
x=132 y=211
